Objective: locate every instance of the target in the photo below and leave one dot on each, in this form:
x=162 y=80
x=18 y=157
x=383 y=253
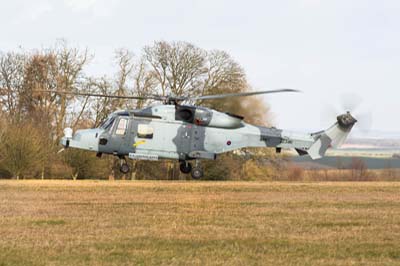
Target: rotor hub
x=346 y=121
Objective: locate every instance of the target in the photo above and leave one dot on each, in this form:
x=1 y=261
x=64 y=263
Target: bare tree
x=157 y=57
x=70 y=63
x=57 y=69
x=12 y=67
x=125 y=63
x=40 y=75
x=101 y=107
x=144 y=82
x=179 y=67
x=223 y=74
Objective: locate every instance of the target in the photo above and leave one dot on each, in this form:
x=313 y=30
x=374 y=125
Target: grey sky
x=325 y=48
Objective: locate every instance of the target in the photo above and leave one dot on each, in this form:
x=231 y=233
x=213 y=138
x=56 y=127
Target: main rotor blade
x=153 y=97
x=227 y=95
x=169 y=98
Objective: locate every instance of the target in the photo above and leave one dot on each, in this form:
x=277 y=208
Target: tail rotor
x=352 y=103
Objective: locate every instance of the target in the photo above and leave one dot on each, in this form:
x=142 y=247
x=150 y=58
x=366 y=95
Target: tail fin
x=334 y=136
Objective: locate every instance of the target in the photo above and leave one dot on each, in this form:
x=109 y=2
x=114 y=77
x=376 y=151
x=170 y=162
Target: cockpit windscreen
x=108 y=122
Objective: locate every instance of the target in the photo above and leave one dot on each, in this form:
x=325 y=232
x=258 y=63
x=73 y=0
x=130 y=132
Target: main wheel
x=185 y=167
x=124 y=168
x=197 y=173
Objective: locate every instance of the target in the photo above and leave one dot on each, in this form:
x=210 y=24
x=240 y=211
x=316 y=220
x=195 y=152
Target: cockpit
x=107 y=123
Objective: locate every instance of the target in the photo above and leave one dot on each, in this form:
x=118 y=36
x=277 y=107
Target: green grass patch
x=48 y=222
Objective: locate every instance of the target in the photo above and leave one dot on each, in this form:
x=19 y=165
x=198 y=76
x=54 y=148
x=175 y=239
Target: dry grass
x=221 y=223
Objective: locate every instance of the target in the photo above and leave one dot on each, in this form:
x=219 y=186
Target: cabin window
x=145 y=131
x=121 y=128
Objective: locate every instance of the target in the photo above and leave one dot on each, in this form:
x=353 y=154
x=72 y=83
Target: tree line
x=32 y=117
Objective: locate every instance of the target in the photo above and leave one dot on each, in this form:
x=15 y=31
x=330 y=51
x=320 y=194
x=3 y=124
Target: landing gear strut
x=124 y=166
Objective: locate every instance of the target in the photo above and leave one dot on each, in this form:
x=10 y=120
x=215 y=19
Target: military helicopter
x=172 y=130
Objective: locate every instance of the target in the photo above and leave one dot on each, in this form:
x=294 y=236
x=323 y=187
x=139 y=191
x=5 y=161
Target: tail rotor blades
x=364 y=122
x=352 y=103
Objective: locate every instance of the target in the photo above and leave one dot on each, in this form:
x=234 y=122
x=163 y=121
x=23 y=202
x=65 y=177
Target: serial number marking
x=138 y=156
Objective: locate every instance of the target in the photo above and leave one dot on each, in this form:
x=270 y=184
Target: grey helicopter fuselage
x=190 y=132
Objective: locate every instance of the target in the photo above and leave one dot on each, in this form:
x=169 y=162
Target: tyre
x=197 y=173
x=185 y=167
x=124 y=168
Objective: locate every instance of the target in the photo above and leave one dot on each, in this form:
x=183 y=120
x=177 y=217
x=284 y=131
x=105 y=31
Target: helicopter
x=172 y=130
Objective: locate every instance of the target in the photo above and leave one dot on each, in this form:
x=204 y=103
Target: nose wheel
x=124 y=166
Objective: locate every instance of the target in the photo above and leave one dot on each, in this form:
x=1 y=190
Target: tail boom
x=334 y=136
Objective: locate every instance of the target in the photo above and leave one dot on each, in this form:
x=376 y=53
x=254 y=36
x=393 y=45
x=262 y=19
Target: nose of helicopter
x=86 y=139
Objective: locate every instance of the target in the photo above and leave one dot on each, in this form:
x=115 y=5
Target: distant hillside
x=377 y=143
x=344 y=162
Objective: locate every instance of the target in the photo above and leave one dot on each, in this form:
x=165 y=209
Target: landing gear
x=124 y=166
x=185 y=167
x=197 y=172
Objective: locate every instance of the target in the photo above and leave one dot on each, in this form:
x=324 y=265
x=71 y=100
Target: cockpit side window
x=121 y=127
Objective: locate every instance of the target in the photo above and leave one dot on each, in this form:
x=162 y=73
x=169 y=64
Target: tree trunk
x=111 y=176
x=75 y=176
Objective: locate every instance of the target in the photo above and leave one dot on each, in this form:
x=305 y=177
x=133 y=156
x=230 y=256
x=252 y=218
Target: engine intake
x=206 y=117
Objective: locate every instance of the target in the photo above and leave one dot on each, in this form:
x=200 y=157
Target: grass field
x=219 y=223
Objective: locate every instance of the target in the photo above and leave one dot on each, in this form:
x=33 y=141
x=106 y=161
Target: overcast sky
x=327 y=49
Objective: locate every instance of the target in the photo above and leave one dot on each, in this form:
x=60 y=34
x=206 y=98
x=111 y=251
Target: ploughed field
x=214 y=223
